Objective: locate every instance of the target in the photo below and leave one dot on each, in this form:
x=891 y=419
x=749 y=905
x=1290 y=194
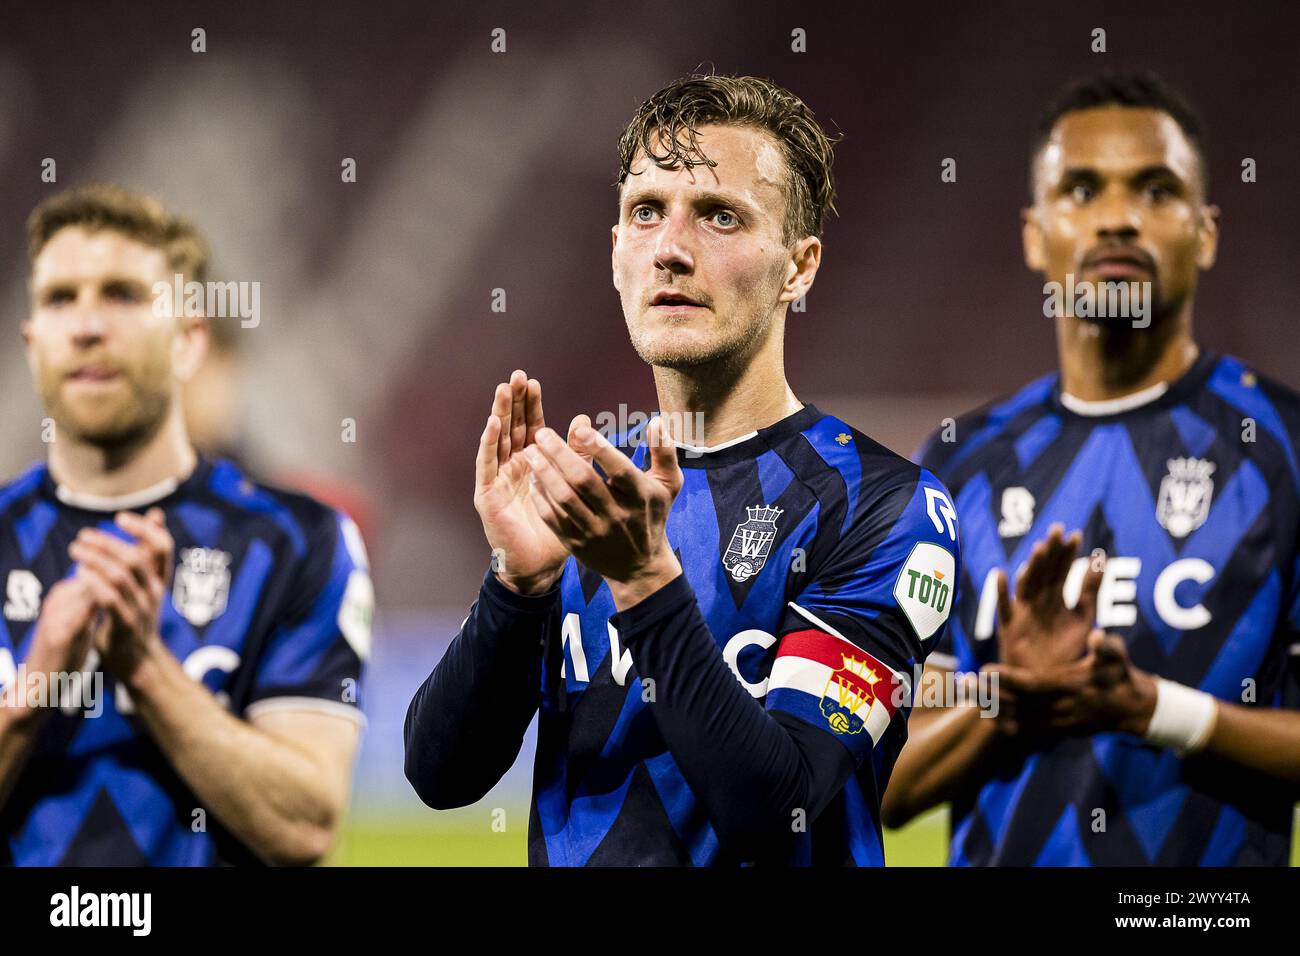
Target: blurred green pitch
x=465 y=838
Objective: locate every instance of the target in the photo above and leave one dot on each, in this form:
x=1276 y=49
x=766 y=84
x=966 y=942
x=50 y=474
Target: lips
x=94 y=374
x=1119 y=263
x=674 y=300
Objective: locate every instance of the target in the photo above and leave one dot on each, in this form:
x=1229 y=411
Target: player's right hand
x=64 y=631
x=527 y=556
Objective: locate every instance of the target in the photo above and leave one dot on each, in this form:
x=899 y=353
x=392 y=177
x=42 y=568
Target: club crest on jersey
x=1184 y=501
x=751 y=543
x=848 y=696
x=202 y=584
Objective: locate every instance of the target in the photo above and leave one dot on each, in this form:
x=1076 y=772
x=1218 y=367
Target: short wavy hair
x=677 y=112
x=136 y=215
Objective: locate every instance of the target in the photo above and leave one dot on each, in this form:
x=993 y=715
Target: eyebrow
x=114 y=279
x=708 y=198
x=1154 y=171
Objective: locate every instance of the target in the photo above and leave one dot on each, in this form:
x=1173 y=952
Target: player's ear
x=1207 y=237
x=613 y=253
x=29 y=345
x=1031 y=236
x=800 y=271
x=190 y=346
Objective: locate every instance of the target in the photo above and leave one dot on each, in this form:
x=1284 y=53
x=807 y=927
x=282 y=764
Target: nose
x=1118 y=219
x=672 y=251
x=87 y=325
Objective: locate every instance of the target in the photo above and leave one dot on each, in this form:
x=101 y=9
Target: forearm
x=1261 y=738
x=275 y=797
x=21 y=718
x=466 y=723
x=19 y=726
x=945 y=748
x=752 y=770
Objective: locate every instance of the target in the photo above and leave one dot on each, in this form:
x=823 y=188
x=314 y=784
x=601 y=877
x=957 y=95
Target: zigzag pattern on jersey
x=616 y=768
x=1104 y=478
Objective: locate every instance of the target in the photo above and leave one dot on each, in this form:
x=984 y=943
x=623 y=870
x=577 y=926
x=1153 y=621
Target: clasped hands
x=541 y=499
x=1058 y=673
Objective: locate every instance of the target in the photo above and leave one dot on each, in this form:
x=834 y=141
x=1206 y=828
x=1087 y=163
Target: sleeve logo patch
x=924 y=588
x=357 y=612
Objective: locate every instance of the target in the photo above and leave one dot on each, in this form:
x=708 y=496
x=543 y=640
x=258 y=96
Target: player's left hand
x=1111 y=694
x=614 y=525
x=128 y=581
x=1036 y=630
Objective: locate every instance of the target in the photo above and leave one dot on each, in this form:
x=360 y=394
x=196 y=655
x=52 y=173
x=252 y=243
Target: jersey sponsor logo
x=854 y=691
x=1117 y=595
x=621 y=658
x=22 y=596
x=202 y=584
x=751 y=543
x=924 y=587
x=1185 y=493
x=1017 y=513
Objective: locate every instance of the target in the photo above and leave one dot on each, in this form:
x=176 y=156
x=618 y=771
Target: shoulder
x=959 y=438
x=22 y=488
x=304 y=525
x=1240 y=385
x=1267 y=408
x=882 y=491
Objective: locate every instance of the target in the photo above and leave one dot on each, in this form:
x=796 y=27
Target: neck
x=109 y=472
x=1101 y=362
x=730 y=397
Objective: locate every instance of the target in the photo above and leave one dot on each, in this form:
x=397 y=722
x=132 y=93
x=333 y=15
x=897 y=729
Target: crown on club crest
x=764 y=513
x=1190 y=469
x=861 y=668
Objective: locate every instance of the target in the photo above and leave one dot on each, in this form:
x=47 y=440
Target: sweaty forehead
x=748 y=162
x=1117 y=141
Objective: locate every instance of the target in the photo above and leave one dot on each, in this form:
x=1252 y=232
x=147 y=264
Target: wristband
x=1183 y=719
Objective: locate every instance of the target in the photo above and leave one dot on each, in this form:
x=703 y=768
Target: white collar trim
x=127 y=502
x=1113 y=406
x=704 y=450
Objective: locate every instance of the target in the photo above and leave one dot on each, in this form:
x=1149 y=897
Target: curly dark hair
x=677 y=112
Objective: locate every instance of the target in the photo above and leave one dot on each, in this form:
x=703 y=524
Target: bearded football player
x=1148 y=661
x=181 y=646
x=717 y=636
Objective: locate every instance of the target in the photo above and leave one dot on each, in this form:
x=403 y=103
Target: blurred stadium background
x=478 y=171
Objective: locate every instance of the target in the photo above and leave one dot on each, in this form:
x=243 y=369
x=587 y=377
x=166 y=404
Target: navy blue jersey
x=818 y=570
x=1192 y=494
x=269 y=607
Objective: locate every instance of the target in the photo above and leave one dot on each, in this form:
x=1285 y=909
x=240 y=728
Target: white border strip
x=136 y=499
x=705 y=450
x=1113 y=406
x=319 y=705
